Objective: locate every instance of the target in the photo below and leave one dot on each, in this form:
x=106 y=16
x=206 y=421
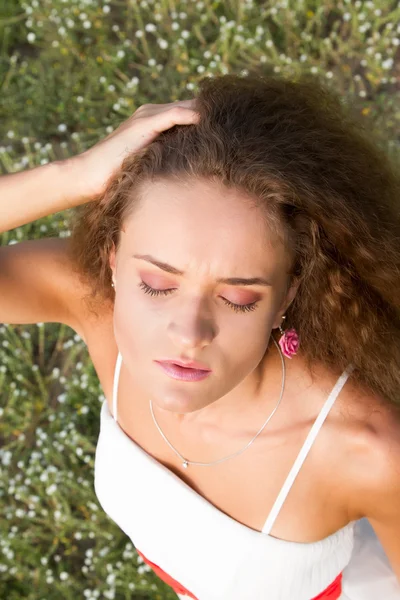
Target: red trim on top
x=332 y=592
x=176 y=586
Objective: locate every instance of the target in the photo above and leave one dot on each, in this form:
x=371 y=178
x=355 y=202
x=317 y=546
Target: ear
x=112 y=261
x=288 y=299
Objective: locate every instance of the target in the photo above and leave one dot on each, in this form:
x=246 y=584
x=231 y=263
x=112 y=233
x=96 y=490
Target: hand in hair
x=99 y=163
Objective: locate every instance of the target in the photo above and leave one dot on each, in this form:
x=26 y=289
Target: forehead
x=204 y=220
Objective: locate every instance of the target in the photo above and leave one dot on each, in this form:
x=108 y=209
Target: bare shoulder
x=378 y=419
x=370 y=445
x=39 y=283
x=360 y=434
x=375 y=475
x=91 y=316
x=97 y=331
x=381 y=436
x=360 y=410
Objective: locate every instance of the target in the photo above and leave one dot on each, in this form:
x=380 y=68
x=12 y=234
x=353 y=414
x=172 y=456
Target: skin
x=209 y=232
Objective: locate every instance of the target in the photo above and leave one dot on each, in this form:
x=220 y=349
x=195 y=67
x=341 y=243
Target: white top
x=210 y=554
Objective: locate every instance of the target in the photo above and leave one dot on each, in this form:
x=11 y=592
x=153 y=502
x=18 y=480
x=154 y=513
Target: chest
x=193 y=546
x=246 y=486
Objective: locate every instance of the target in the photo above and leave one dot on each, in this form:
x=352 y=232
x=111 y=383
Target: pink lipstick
x=183 y=373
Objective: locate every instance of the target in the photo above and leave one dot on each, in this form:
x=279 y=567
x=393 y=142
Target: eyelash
x=236 y=307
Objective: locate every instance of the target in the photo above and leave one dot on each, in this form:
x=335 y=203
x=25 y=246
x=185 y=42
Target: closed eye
x=236 y=307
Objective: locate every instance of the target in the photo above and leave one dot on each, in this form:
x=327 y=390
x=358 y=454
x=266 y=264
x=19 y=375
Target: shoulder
x=360 y=445
x=372 y=447
x=377 y=487
x=381 y=447
x=91 y=318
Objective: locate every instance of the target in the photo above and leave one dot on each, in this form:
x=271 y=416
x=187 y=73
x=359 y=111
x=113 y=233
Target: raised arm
x=30 y=195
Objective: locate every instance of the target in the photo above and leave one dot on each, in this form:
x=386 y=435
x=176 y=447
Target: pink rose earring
x=289 y=341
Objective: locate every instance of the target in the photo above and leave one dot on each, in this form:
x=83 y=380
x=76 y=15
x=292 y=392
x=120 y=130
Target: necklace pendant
x=185 y=464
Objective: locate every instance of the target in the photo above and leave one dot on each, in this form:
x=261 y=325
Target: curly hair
x=302 y=153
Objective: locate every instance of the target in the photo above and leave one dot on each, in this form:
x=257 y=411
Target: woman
x=234 y=272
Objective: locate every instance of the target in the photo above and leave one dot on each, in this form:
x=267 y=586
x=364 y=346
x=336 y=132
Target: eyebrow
x=228 y=280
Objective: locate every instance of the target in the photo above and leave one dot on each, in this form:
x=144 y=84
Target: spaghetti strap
x=115 y=385
x=305 y=449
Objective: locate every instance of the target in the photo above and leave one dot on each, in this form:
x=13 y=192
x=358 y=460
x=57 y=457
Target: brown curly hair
x=302 y=153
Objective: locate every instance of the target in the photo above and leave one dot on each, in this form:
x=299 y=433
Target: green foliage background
x=70 y=72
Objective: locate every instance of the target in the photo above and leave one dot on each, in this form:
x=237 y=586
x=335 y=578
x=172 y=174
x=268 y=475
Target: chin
x=177 y=404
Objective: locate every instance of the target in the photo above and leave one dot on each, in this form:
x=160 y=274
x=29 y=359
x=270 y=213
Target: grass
x=70 y=72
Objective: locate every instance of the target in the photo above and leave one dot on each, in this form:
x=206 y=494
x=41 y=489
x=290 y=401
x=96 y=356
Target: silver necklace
x=186 y=462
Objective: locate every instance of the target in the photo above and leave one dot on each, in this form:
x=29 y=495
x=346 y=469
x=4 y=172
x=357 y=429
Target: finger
x=156 y=108
x=166 y=119
x=175 y=116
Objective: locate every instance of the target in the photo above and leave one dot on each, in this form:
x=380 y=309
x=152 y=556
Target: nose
x=192 y=326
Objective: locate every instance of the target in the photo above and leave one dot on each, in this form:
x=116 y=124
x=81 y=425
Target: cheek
x=249 y=353
x=245 y=354
x=132 y=328
x=248 y=334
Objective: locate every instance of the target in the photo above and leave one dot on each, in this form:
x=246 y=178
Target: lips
x=183 y=373
x=193 y=364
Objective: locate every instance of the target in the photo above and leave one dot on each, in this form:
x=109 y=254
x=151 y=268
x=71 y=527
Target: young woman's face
x=208 y=233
